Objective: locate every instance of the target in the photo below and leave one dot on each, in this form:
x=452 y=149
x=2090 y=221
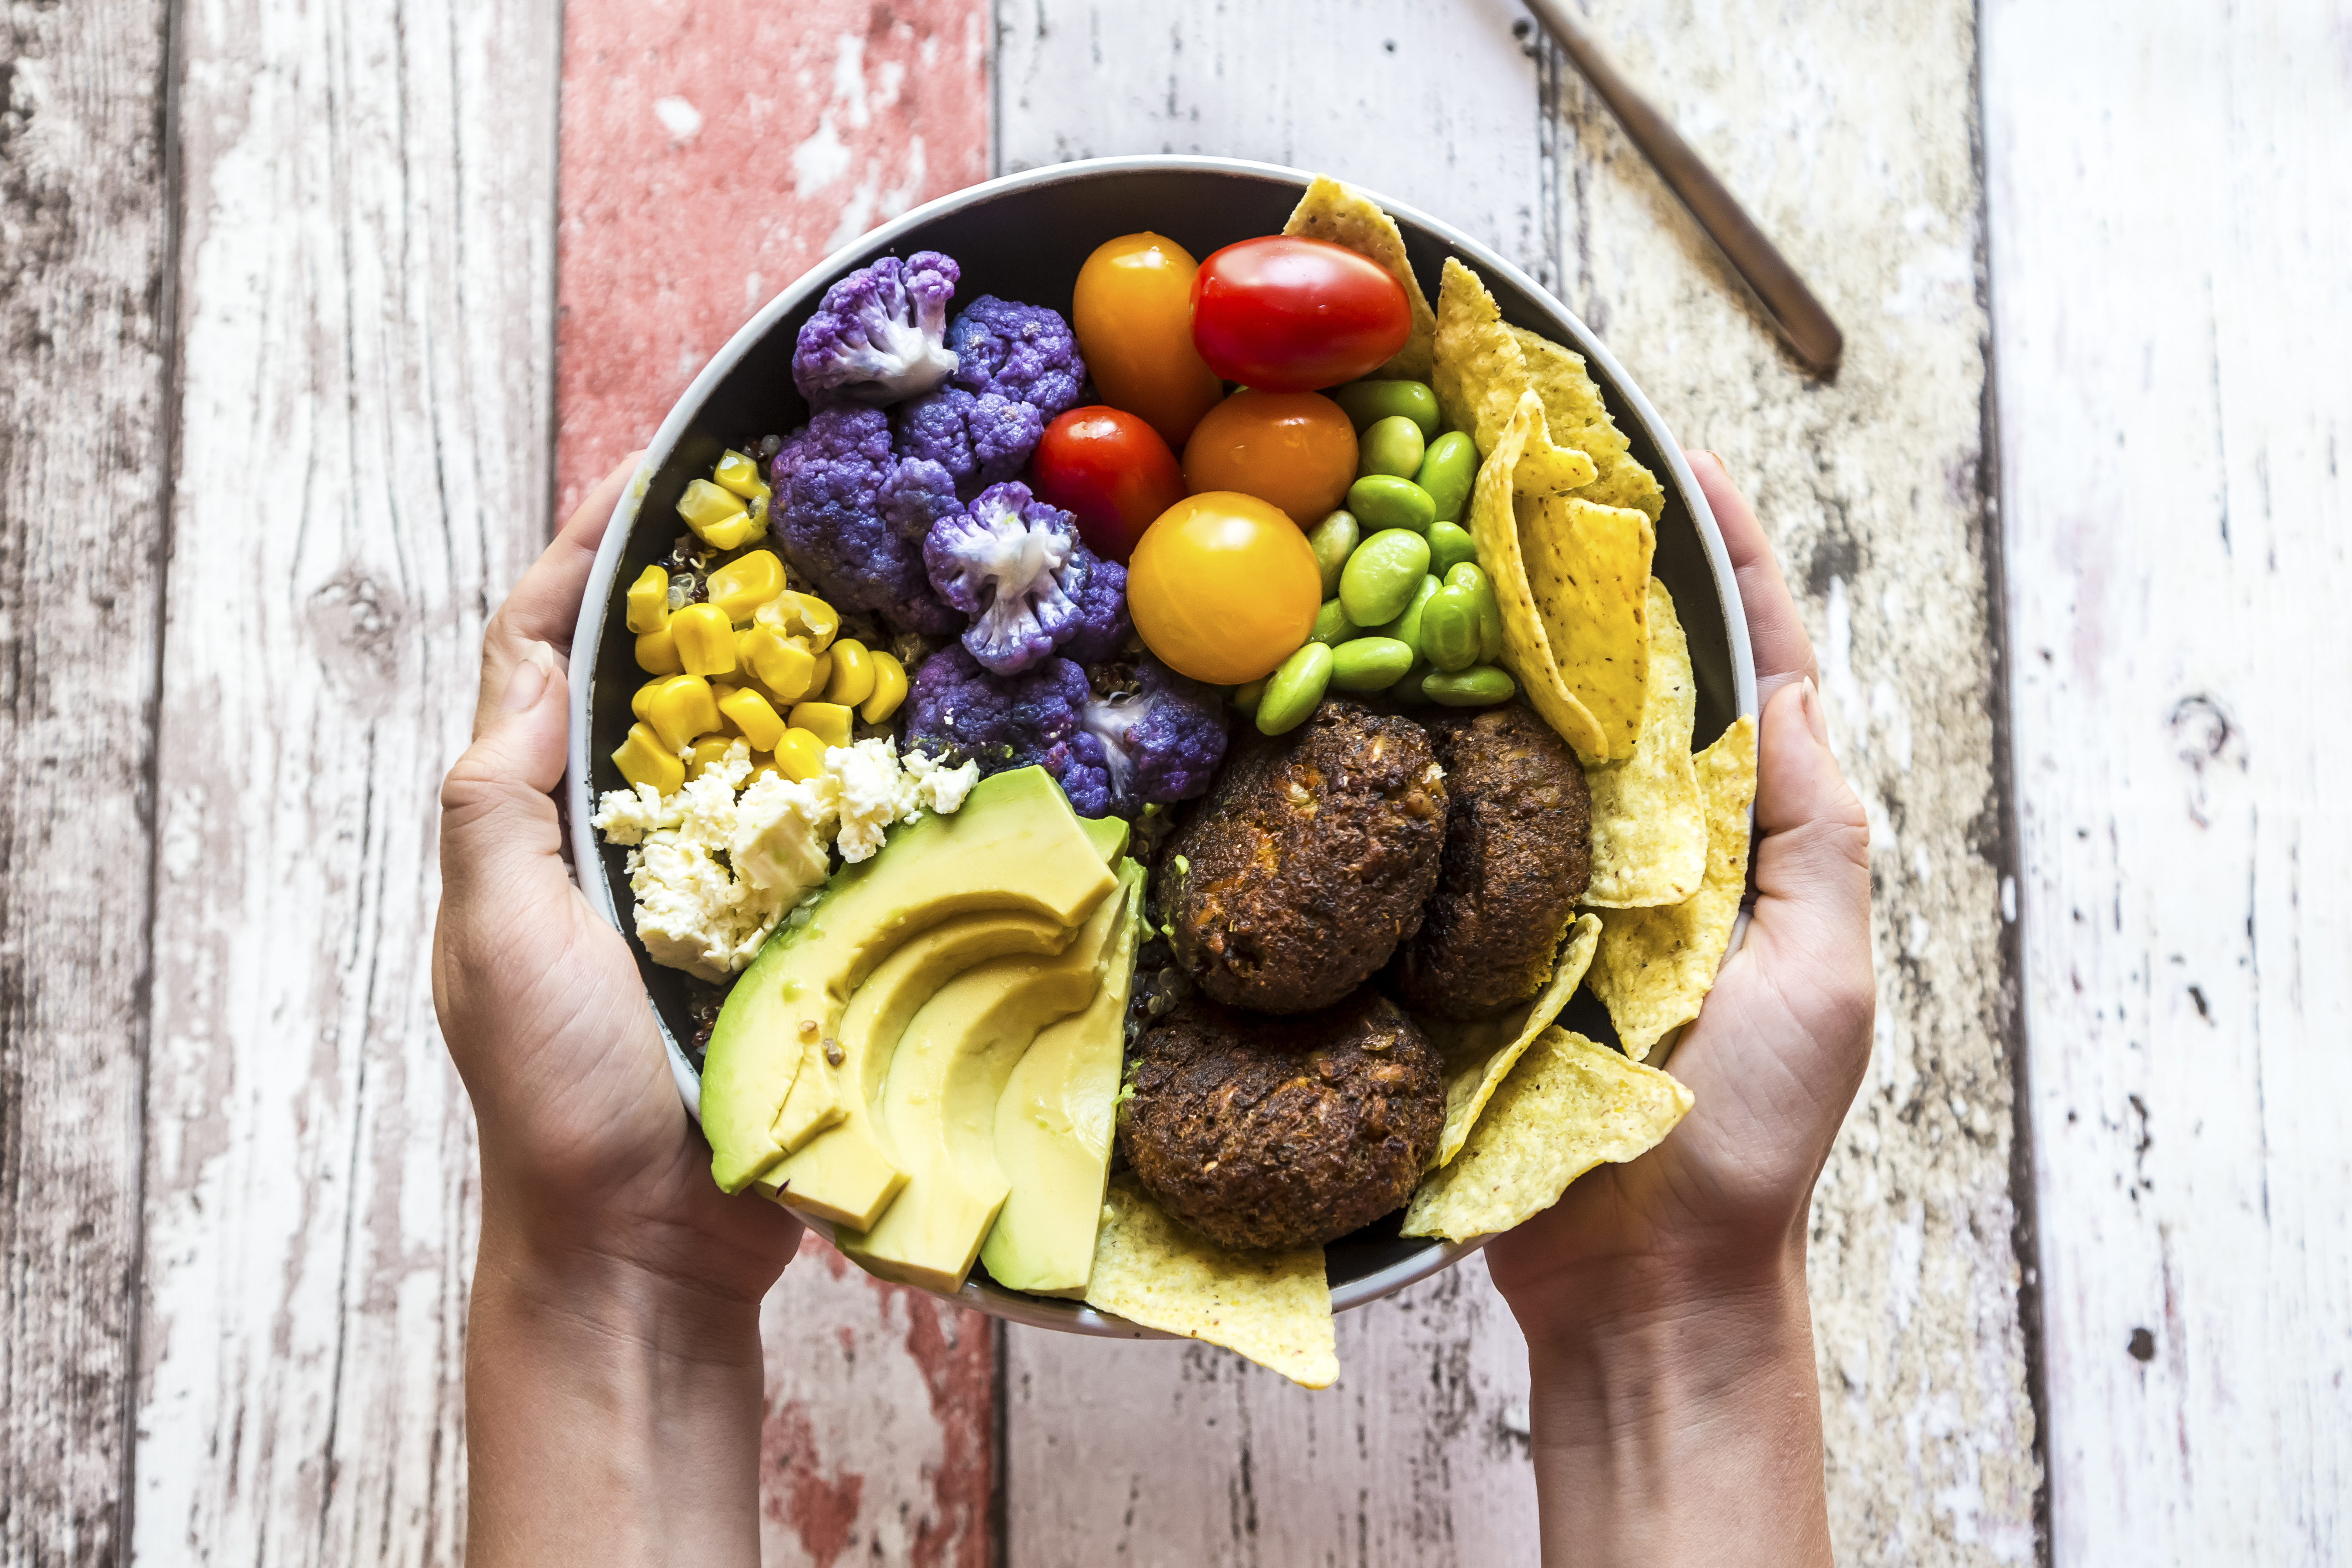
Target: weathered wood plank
x=1153 y=1452
x=365 y=289
x=711 y=154
x=84 y=442
x=2169 y=189
x=1847 y=128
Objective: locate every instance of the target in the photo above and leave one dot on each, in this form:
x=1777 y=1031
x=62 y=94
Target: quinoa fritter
x=1276 y=1132
x=1518 y=853
x=1298 y=878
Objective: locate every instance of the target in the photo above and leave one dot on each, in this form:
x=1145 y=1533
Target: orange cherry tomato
x=1297 y=450
x=1223 y=588
x=1132 y=311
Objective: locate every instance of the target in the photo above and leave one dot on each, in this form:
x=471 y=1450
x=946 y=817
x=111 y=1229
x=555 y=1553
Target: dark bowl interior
x=1027 y=243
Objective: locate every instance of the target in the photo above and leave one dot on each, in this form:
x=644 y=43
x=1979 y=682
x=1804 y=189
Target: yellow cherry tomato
x=1223 y=587
x=1296 y=449
x=1132 y=311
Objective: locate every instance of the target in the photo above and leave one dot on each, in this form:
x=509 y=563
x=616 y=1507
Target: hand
x=613 y=1378
x=1666 y=1297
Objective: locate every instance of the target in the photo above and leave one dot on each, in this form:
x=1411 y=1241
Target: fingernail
x=528 y=680
x=1720 y=466
x=1817 y=718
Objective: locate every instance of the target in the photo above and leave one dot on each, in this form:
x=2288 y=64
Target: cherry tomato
x=1287 y=314
x=1112 y=471
x=1223 y=588
x=1133 y=314
x=1296 y=449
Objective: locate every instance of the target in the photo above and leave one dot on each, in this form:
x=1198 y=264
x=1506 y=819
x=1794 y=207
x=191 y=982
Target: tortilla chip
x=1577 y=417
x=1590 y=566
x=1479 y=376
x=1649 y=831
x=1344 y=216
x=1274 y=1308
x=1655 y=966
x=1479 y=1056
x=1569 y=1105
x=1527 y=649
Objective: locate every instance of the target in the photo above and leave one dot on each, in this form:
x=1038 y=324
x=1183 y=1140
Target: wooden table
x=293 y=297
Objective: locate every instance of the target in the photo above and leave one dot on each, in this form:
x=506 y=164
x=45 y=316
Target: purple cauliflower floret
x=879 y=334
x=1103 y=624
x=1160 y=742
x=957 y=710
x=830 y=479
x=1026 y=352
x=918 y=493
x=979 y=438
x=1010 y=562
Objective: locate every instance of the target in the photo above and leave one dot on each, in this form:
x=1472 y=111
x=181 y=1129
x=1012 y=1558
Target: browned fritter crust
x=1311 y=860
x=1275 y=1133
x=1518 y=853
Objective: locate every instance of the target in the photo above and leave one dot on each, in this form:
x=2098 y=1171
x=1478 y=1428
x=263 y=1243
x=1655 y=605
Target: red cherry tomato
x=1112 y=471
x=1286 y=314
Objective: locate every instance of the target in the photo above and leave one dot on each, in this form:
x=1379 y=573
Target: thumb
x=496 y=811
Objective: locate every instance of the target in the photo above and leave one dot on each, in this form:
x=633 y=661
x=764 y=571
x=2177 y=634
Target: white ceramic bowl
x=1024 y=237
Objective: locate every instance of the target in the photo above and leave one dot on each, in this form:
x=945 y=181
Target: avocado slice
x=846 y=1173
x=940 y=1103
x=1014 y=846
x=1054 y=1128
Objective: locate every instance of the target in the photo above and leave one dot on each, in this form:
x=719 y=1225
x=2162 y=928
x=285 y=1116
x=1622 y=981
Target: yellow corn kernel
x=682 y=711
x=754 y=718
x=644 y=695
x=820 y=676
x=801 y=756
x=828 y=721
x=657 y=653
x=746 y=582
x=735 y=535
x=763 y=766
x=706 y=640
x=649 y=601
x=739 y=472
x=643 y=760
x=720 y=692
x=890 y=688
x=716 y=516
x=708 y=750
x=853 y=673
x=781 y=664
x=801 y=616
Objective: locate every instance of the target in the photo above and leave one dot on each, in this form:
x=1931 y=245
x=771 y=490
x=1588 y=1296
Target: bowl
x=1024 y=237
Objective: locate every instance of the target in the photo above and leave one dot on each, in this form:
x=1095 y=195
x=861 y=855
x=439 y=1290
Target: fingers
x=545 y=604
x=1812 y=867
x=1783 y=653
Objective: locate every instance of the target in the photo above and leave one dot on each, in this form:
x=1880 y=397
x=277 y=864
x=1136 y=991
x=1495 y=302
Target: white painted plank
x=365 y=298
x=2169 y=194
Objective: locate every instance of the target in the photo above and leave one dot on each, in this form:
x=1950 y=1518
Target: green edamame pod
x=1472 y=579
x=1450 y=545
x=1246 y=695
x=1332 y=625
x=1391 y=446
x=1383 y=500
x=1449 y=629
x=1406 y=627
x=1480 y=686
x=1449 y=466
x=1370 y=664
x=1367 y=402
x=1293 y=690
x=1333 y=540
x=1382 y=577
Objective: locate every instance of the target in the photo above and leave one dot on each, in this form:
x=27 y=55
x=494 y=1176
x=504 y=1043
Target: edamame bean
x=1391 y=446
x=1382 y=577
x=1480 y=686
x=1473 y=579
x=1365 y=402
x=1370 y=664
x=1406 y=627
x=1448 y=469
x=1449 y=546
x=1383 y=500
x=1449 y=629
x=1293 y=690
x=1332 y=625
x=1334 y=540
x=1247 y=694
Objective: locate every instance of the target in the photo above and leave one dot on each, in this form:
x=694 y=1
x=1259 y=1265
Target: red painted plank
x=711 y=152
x=714 y=150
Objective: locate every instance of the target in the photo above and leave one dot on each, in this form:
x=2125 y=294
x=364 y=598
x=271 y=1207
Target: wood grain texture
x=365 y=286
x=714 y=151
x=84 y=441
x=2170 y=187
x=1847 y=127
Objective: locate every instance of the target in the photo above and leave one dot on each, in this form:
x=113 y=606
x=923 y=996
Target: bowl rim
x=1019 y=1307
